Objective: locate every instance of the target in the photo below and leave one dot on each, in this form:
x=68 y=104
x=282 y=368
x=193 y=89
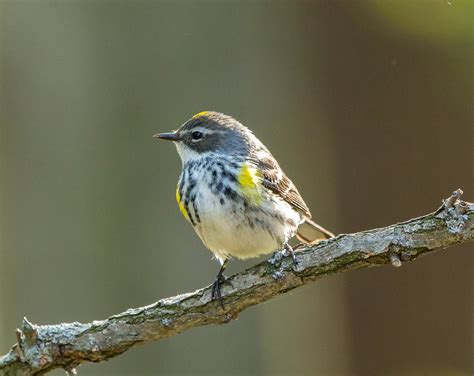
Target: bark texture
x=42 y=348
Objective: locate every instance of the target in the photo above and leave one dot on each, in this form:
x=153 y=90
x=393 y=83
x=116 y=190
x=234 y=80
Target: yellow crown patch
x=199 y=114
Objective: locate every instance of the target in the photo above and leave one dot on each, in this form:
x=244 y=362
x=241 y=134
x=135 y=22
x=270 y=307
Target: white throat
x=187 y=154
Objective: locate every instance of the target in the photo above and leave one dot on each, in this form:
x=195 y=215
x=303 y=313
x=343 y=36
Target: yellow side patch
x=181 y=205
x=199 y=114
x=250 y=179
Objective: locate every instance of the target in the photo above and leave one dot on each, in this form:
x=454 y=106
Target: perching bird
x=235 y=195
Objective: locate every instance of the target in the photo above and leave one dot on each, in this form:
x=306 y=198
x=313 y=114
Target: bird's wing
x=274 y=179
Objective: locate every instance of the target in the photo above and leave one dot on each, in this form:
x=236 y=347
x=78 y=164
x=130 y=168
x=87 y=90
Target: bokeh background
x=366 y=104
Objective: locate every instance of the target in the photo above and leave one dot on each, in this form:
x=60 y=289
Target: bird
x=235 y=195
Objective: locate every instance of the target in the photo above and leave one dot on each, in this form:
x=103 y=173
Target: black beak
x=171 y=136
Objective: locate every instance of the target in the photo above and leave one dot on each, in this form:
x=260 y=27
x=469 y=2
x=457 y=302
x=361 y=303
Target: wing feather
x=275 y=180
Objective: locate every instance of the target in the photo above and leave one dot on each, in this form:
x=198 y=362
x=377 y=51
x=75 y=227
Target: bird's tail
x=310 y=232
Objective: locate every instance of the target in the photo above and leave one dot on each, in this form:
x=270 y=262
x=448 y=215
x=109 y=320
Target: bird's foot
x=216 y=289
x=288 y=251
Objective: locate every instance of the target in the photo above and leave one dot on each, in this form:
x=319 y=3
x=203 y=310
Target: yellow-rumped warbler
x=233 y=192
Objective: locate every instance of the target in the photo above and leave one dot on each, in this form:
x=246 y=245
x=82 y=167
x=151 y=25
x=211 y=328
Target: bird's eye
x=196 y=135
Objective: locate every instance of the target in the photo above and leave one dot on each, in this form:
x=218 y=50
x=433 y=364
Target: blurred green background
x=367 y=105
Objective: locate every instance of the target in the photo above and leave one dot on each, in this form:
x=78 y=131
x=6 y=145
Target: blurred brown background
x=367 y=105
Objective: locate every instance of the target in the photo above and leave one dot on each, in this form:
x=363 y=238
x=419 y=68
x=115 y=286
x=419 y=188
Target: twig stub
x=395 y=261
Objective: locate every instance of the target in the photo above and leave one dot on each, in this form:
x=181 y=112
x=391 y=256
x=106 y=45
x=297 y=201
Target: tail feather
x=310 y=232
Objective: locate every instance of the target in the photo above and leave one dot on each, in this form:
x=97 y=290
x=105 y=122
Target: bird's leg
x=288 y=250
x=216 y=286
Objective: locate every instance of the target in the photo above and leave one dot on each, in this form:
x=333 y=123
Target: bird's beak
x=171 y=136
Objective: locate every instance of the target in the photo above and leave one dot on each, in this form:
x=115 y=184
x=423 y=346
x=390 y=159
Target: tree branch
x=41 y=348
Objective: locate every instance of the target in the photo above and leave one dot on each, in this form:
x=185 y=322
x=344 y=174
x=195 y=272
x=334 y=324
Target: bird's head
x=210 y=132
